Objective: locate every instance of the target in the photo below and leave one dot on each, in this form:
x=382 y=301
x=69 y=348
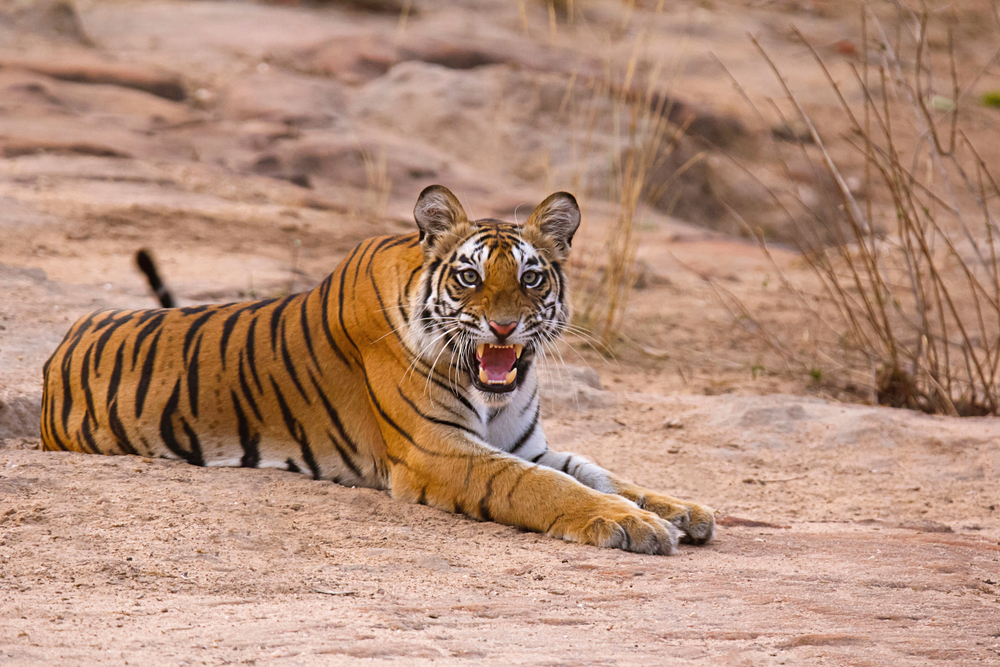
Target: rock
x=367 y=162
x=29 y=94
x=681 y=184
x=927 y=526
x=451 y=54
x=356 y=59
x=572 y=388
x=20 y=416
x=87 y=68
x=825 y=640
x=50 y=19
x=278 y=96
x=373 y=6
x=717 y=130
x=67 y=135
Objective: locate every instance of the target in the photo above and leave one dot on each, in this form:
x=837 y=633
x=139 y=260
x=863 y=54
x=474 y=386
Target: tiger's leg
x=492 y=486
x=697 y=522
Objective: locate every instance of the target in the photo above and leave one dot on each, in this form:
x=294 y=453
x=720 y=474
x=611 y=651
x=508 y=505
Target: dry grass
x=919 y=301
x=630 y=107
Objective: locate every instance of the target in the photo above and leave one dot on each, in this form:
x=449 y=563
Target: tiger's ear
x=558 y=218
x=437 y=213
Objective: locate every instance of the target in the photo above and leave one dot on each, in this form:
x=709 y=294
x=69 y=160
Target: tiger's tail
x=146 y=264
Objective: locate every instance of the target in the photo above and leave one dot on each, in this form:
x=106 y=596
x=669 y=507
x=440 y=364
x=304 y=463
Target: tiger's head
x=492 y=294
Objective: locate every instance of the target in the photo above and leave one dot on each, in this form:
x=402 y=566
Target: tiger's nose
x=502 y=330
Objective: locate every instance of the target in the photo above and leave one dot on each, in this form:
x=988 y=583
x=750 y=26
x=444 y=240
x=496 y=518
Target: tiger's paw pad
x=697 y=523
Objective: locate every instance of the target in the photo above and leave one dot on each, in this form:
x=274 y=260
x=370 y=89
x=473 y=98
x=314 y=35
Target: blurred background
x=742 y=231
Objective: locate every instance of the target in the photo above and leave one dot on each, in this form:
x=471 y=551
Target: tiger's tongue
x=497 y=362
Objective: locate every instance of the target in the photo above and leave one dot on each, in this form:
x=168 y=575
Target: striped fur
x=370 y=379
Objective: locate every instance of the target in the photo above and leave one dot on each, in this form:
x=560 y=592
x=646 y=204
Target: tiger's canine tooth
x=510 y=376
x=483 y=377
x=517 y=350
x=479 y=350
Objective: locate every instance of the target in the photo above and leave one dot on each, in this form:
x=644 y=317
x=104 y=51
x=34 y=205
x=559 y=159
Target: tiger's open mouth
x=496 y=367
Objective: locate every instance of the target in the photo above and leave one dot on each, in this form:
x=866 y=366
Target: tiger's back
x=272 y=383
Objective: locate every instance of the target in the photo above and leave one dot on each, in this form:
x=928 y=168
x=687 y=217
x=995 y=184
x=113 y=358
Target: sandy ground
x=848 y=534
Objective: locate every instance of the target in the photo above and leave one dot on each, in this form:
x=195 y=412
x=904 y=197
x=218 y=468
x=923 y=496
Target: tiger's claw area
x=632 y=530
x=697 y=523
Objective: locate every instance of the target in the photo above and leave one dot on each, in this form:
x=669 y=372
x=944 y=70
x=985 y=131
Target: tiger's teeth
x=510 y=376
x=483 y=377
x=479 y=351
x=517 y=350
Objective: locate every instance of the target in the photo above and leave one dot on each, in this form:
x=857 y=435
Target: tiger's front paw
x=623 y=527
x=696 y=522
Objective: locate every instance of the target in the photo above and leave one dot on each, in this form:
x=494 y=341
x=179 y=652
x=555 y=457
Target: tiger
x=410 y=369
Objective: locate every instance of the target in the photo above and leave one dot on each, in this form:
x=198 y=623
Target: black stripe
x=105 y=337
x=295 y=429
x=527 y=433
x=53 y=429
x=292 y=467
x=527 y=406
x=404 y=308
x=250 y=443
x=345 y=457
x=66 y=374
x=275 y=321
x=76 y=332
x=386 y=242
x=254 y=306
x=484 y=510
x=510 y=491
x=88 y=436
x=192 y=378
x=168 y=435
x=393 y=329
x=118 y=430
x=536 y=459
x=565 y=467
x=251 y=347
x=85 y=383
x=304 y=324
x=324 y=294
x=116 y=376
x=334 y=417
x=431 y=418
x=147 y=374
x=227 y=330
x=286 y=358
x=193 y=329
x=110 y=319
x=428 y=278
x=155 y=320
x=247 y=392
x=341 y=299
x=551 y=525
x=396 y=427
x=196 y=458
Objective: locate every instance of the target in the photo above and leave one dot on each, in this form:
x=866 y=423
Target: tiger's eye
x=468 y=277
x=531 y=278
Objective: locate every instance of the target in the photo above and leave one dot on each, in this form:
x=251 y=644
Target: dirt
x=250 y=146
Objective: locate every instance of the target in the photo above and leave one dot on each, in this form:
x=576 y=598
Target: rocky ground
x=251 y=145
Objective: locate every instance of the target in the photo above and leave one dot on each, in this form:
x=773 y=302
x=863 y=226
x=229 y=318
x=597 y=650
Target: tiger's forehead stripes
x=500 y=242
